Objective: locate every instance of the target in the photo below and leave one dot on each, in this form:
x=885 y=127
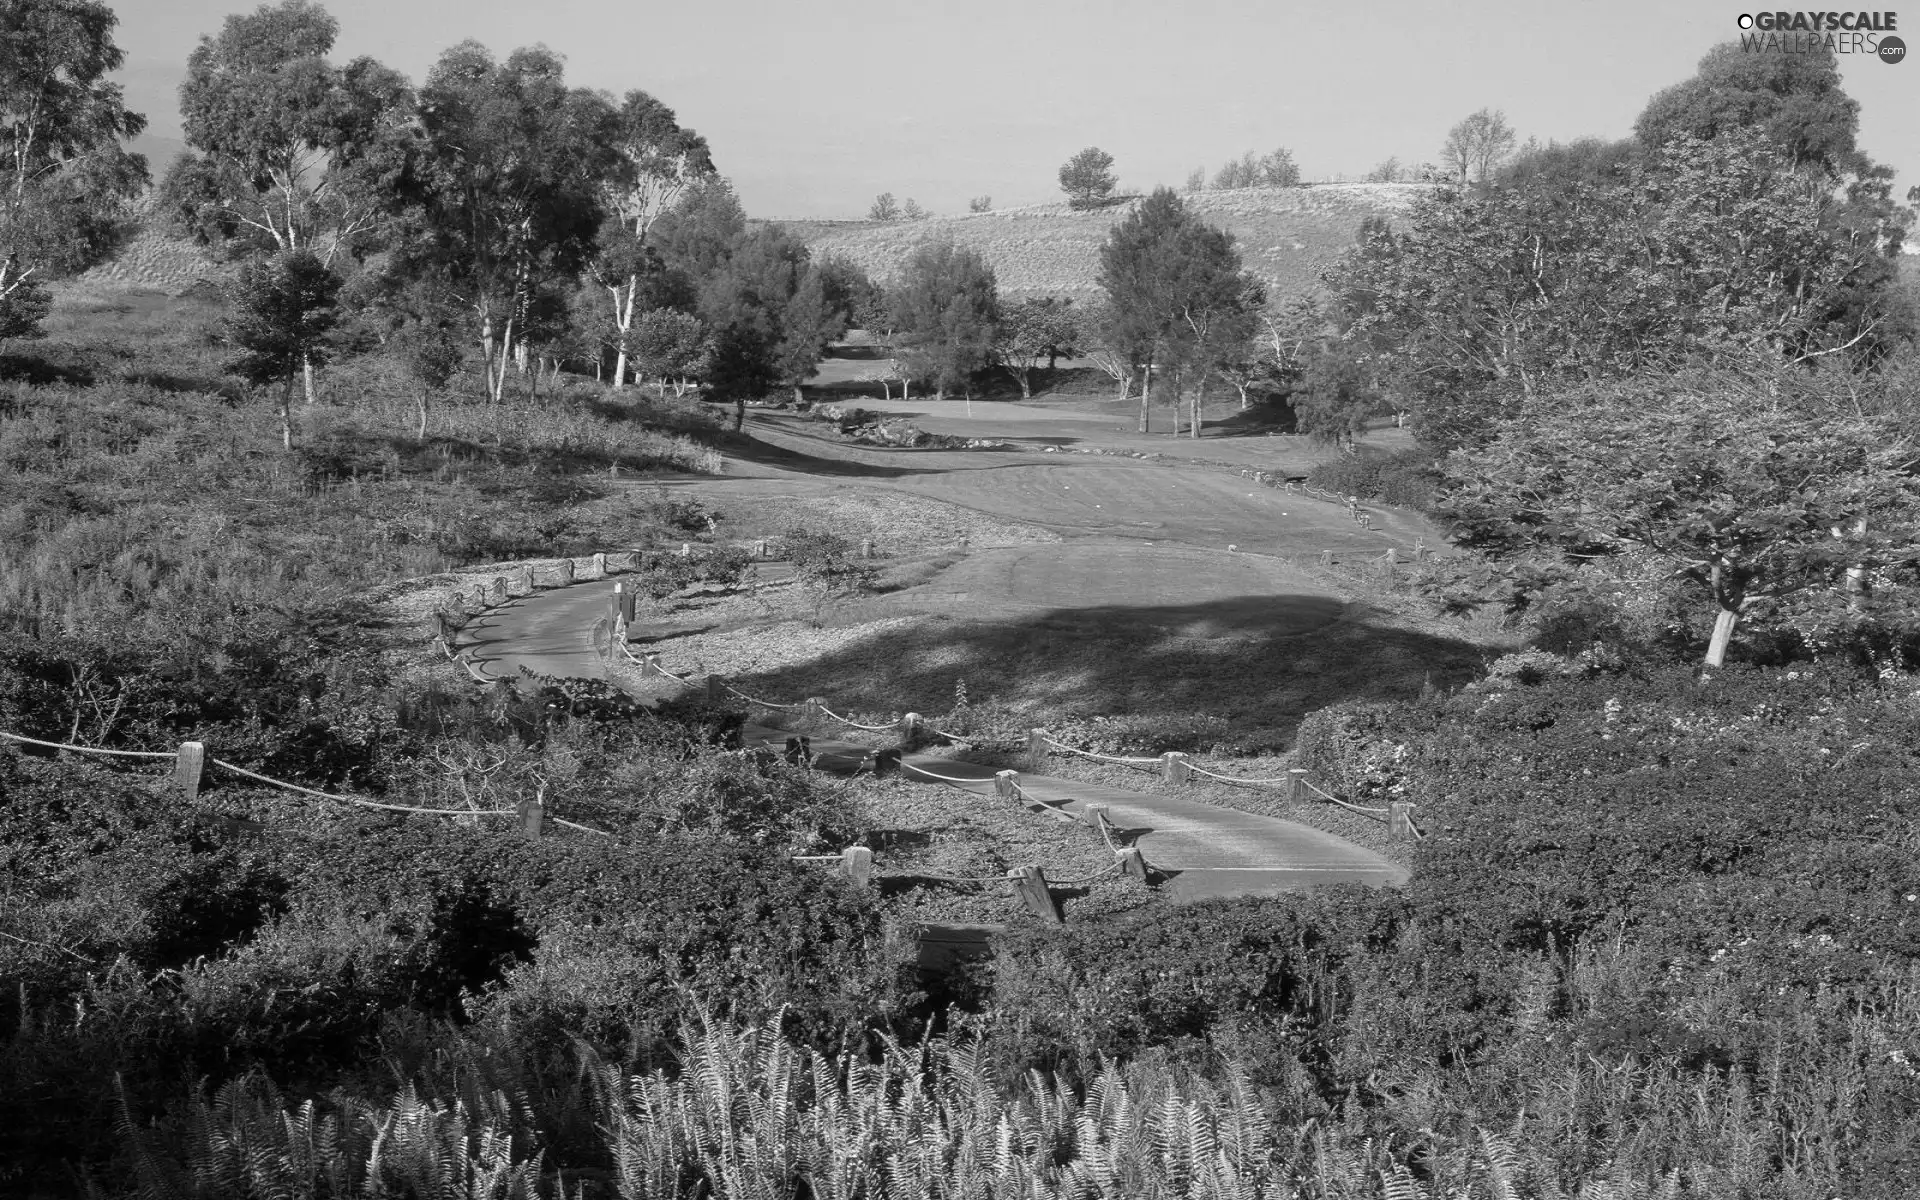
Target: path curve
x=1211 y=852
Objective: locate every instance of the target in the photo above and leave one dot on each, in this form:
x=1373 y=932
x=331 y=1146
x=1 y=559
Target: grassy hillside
x=1286 y=235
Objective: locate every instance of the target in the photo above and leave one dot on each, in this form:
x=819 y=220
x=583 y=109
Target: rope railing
x=827 y=712
x=752 y=700
x=1124 y=761
x=14 y=737
x=942 y=778
x=294 y=787
x=1200 y=770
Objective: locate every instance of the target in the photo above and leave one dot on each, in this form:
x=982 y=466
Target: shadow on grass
x=1170 y=664
x=753 y=450
x=43 y=372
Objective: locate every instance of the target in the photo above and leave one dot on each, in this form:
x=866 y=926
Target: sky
x=814 y=107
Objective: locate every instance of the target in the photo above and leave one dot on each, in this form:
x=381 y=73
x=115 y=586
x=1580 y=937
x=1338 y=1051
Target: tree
x=884 y=208
x=1279 y=170
x=1388 y=170
x=1702 y=250
x=1196 y=180
x=1173 y=283
x=980 y=204
x=912 y=211
x=1710 y=480
x=1242 y=172
x=1033 y=329
x=654 y=163
x=1478 y=145
x=510 y=184
x=284 y=309
x=1087 y=178
x=946 y=307
x=65 y=180
x=671 y=346
x=431 y=349
x=770 y=319
x=1794 y=99
x=298 y=150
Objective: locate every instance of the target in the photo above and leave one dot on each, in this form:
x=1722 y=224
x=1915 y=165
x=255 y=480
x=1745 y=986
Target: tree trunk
x=506 y=351
x=286 y=414
x=1199 y=401
x=623 y=321
x=1146 y=399
x=306 y=371
x=1026 y=392
x=799 y=399
x=1723 y=623
x=739 y=413
x=423 y=413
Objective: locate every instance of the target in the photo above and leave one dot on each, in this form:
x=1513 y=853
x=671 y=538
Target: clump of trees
x=1277 y=169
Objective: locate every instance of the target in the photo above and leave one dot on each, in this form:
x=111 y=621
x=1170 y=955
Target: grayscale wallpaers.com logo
x=1823 y=32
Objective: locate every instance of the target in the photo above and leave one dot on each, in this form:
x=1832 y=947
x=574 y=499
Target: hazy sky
x=813 y=107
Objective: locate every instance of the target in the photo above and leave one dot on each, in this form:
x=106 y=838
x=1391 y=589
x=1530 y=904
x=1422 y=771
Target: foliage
x=1478 y=145
x=304 y=152
x=1716 y=483
x=65 y=181
x=980 y=204
x=1404 y=479
x=945 y=311
x=285 y=309
x=1794 y=99
x=884 y=208
x=1087 y=178
x=1032 y=329
x=1273 y=170
x=1705 y=251
x=826 y=562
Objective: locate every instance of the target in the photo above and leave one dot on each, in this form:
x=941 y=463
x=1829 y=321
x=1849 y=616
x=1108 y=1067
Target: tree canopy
x=1087 y=178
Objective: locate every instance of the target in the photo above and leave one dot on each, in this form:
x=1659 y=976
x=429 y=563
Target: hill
x=1287 y=236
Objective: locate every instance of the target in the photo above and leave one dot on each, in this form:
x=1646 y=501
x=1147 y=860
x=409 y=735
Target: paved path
x=1209 y=851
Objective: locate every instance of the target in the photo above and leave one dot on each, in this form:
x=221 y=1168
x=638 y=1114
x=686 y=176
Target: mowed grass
x=1287 y=236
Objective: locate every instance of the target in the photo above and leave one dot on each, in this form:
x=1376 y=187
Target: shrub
x=1404 y=479
x=826 y=562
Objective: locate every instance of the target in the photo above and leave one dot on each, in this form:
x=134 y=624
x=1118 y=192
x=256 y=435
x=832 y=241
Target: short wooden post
x=716 y=688
x=1132 y=862
x=1388 y=562
x=963 y=543
x=1297 y=784
x=686 y=549
x=1419 y=549
x=533 y=817
x=627 y=601
x=599 y=565
x=189 y=762
x=856 y=863
x=1096 y=813
x=566 y=572
x=1326 y=558
x=1399 y=820
x=1174 y=767
x=815 y=709
x=650 y=667
x=1030 y=884
x=1037 y=750
x=909 y=728
x=760 y=548
x=440 y=625
x=1006 y=785
x=866 y=547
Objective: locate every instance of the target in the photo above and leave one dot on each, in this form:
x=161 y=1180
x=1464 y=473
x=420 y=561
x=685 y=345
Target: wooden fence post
x=1132 y=862
x=1006 y=784
x=1326 y=558
x=716 y=688
x=189 y=762
x=963 y=544
x=866 y=547
x=815 y=707
x=856 y=863
x=629 y=601
x=1030 y=884
x=1037 y=751
x=686 y=549
x=760 y=548
x=1388 y=562
x=533 y=817
x=909 y=728
x=1096 y=812
x=1297 y=784
x=1419 y=549
x=1399 y=820
x=1174 y=767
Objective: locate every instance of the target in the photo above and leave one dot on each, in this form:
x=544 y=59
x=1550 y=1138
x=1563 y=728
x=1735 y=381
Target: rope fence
x=191 y=761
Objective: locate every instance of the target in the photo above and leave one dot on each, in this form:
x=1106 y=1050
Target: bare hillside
x=1286 y=235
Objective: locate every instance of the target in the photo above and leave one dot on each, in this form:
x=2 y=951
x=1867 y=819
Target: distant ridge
x=1286 y=236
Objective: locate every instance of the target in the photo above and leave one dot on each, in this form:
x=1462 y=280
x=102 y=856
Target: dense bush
x=1405 y=478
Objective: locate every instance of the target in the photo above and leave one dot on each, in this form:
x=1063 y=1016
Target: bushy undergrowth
x=1405 y=478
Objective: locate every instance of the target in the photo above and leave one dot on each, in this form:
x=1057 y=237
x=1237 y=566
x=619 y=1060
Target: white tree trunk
x=1723 y=624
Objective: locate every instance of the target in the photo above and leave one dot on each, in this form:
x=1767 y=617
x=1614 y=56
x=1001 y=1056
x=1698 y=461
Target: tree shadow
x=44 y=372
x=1244 y=670
x=753 y=450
